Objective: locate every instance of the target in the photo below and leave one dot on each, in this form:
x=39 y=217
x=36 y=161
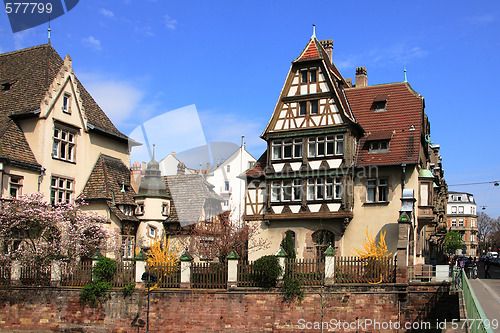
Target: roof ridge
x=27 y=49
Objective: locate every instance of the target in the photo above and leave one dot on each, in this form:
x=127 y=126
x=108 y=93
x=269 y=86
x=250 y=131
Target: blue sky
x=227 y=61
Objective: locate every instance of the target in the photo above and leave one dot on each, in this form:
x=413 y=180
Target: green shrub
x=128 y=289
x=95 y=292
x=104 y=270
x=293 y=289
x=267 y=270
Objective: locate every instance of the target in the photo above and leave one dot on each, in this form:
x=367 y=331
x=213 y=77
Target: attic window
x=381 y=146
x=379 y=103
x=66 y=108
x=165 y=209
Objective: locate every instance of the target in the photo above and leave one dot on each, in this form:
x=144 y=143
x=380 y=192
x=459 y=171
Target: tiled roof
x=312 y=51
x=258 y=167
x=403 y=118
x=28 y=73
x=106 y=182
x=190 y=194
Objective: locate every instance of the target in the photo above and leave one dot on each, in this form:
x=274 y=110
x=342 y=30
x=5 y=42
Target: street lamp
x=148 y=278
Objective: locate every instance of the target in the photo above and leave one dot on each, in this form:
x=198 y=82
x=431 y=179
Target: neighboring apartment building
x=337 y=160
x=228 y=183
x=53 y=136
x=462 y=217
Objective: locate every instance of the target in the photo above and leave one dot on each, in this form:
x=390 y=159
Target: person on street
x=487 y=268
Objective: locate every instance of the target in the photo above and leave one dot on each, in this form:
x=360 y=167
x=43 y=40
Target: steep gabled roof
x=190 y=194
x=25 y=77
x=106 y=181
x=401 y=122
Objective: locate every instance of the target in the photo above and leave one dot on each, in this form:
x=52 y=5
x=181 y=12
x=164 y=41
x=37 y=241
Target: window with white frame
x=286 y=149
x=228 y=168
x=66 y=107
x=330 y=145
x=454 y=222
x=127 y=210
x=460 y=209
x=460 y=222
x=377 y=190
x=251 y=164
x=226 y=186
x=324 y=188
x=64 y=145
x=453 y=209
x=152 y=231
x=473 y=223
x=128 y=246
x=61 y=190
x=286 y=190
x=15 y=186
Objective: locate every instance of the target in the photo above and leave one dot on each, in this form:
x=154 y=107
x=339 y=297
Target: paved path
x=488 y=293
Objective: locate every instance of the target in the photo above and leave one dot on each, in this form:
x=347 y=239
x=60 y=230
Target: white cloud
x=170 y=23
x=106 y=12
x=92 y=42
x=118 y=98
x=229 y=127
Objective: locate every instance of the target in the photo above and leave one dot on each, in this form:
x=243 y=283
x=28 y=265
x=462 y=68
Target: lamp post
x=148 y=278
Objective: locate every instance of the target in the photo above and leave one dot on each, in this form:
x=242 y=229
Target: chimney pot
x=361 y=77
x=173 y=153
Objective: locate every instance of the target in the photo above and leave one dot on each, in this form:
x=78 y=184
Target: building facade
x=54 y=136
x=338 y=159
x=228 y=183
x=462 y=217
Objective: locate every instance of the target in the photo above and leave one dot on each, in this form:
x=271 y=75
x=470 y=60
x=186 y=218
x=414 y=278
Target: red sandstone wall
x=57 y=309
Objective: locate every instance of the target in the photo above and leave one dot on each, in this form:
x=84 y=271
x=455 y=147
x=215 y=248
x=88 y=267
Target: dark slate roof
x=404 y=108
x=28 y=73
x=190 y=193
x=106 y=182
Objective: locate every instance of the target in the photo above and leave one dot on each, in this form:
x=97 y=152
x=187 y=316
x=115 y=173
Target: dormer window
x=379 y=146
x=66 y=108
x=379 y=103
x=152 y=231
x=15 y=184
x=128 y=210
x=63 y=147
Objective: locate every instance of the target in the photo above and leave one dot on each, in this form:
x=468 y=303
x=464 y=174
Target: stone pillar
x=404 y=224
x=140 y=266
x=15 y=273
x=95 y=259
x=186 y=262
x=281 y=254
x=55 y=273
x=232 y=270
x=329 y=266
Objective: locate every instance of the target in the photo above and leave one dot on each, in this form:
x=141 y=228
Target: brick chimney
x=328 y=46
x=173 y=153
x=361 y=78
x=181 y=168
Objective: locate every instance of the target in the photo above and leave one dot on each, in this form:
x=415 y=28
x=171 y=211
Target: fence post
x=281 y=254
x=186 y=262
x=15 y=273
x=95 y=259
x=329 y=266
x=140 y=266
x=232 y=270
x=55 y=273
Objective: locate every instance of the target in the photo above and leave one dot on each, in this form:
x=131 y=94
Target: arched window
x=322 y=240
x=288 y=243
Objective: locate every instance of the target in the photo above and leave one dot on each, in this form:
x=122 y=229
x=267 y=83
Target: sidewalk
x=489 y=298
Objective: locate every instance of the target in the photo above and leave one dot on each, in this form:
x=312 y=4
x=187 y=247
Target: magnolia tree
x=34 y=232
x=218 y=237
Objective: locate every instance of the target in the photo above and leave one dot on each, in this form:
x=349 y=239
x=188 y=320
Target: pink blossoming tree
x=34 y=232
